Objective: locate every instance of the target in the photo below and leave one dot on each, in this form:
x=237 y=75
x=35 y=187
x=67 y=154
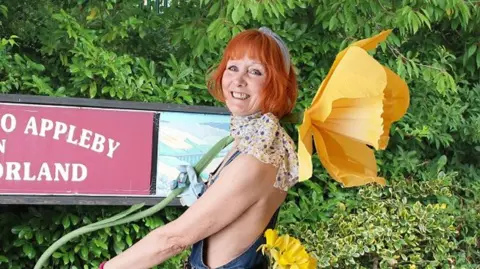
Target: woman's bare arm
x=240 y=185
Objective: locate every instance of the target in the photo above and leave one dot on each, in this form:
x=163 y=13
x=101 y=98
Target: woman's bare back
x=234 y=239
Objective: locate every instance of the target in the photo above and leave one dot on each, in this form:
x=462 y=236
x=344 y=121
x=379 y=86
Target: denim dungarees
x=249 y=259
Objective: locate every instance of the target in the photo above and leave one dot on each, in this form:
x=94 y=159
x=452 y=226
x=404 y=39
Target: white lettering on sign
x=112 y=147
x=16 y=171
x=19 y=170
x=60 y=128
x=2 y=146
x=45 y=125
x=31 y=126
x=83 y=138
x=8 y=123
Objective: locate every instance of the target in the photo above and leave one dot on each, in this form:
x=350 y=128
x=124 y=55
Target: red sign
x=71 y=150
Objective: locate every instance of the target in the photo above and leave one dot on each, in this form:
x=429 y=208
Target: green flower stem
x=125 y=217
x=97 y=226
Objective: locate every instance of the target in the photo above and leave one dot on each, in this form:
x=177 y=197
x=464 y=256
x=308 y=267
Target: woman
x=256 y=81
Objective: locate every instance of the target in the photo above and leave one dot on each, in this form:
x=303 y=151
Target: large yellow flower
x=353 y=109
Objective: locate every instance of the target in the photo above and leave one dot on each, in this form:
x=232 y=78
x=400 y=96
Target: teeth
x=240 y=95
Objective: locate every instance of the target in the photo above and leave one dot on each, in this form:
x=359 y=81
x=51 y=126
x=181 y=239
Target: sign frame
x=82 y=199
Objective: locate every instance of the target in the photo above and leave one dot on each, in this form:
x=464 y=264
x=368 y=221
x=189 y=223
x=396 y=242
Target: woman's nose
x=239 y=79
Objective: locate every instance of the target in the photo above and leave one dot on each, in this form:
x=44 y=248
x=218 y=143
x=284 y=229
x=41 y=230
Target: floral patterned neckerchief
x=262 y=136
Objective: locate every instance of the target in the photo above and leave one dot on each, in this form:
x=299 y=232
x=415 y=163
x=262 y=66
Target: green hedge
x=426 y=217
x=26 y=231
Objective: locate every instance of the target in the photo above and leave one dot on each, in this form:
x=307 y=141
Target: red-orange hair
x=280 y=93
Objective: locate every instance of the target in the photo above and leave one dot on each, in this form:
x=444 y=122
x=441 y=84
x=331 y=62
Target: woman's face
x=242 y=83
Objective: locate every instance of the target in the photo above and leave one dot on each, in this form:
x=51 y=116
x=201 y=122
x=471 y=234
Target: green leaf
x=129 y=93
x=478 y=59
x=57 y=255
x=136 y=228
x=442 y=161
x=182 y=86
x=93 y=89
x=4 y=10
x=88 y=73
x=214 y=9
x=66 y=222
x=74 y=219
x=188 y=98
x=212 y=27
x=100 y=244
x=29 y=250
x=18 y=242
x=471 y=50
x=465 y=59
x=415 y=22
x=129 y=241
x=332 y=23
x=142 y=33
x=84 y=252
x=185 y=73
x=28 y=234
x=65 y=259
x=3 y=259
x=170 y=74
x=112 y=92
x=254 y=9
x=238 y=12
x=119 y=246
x=394 y=38
x=18 y=229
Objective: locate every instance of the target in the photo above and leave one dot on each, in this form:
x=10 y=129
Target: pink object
x=68 y=150
x=102 y=265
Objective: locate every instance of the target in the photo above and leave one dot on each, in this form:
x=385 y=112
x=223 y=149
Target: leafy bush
x=26 y=231
x=428 y=215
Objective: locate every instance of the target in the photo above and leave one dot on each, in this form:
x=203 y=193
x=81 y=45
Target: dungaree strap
x=214 y=174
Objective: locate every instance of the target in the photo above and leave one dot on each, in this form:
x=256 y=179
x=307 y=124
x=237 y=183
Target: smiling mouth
x=240 y=95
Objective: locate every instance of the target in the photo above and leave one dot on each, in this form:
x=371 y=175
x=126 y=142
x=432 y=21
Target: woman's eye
x=232 y=68
x=256 y=72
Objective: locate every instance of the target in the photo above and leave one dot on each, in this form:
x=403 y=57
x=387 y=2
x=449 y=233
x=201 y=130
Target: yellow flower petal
x=349 y=162
x=284 y=260
x=294 y=247
x=372 y=42
x=357 y=75
x=271 y=237
x=278 y=242
x=396 y=101
x=275 y=255
x=312 y=263
x=305 y=148
x=285 y=241
x=366 y=44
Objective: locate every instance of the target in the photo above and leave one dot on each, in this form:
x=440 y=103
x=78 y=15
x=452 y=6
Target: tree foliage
x=428 y=215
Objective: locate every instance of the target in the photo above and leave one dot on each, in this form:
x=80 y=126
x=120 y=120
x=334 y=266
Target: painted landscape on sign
x=183 y=139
